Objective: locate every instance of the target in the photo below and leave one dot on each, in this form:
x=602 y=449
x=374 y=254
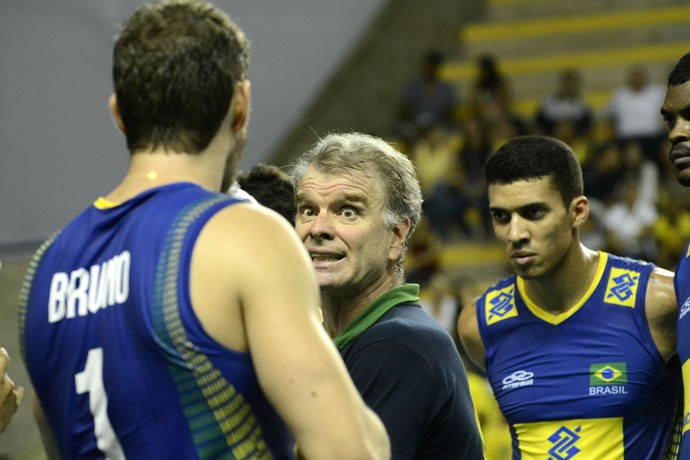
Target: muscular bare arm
x=468 y=331
x=273 y=310
x=662 y=311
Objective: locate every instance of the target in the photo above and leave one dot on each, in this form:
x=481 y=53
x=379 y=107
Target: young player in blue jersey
x=172 y=321
x=358 y=201
x=578 y=345
x=676 y=113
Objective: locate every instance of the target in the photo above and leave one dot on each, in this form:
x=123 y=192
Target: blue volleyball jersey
x=585 y=384
x=681 y=282
x=118 y=358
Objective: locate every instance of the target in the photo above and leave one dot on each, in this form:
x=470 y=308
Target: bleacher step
x=550 y=27
x=506 y=10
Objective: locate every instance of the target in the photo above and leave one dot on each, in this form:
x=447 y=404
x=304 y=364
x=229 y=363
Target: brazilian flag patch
x=608 y=374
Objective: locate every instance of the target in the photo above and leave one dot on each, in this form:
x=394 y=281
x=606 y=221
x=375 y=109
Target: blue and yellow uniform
x=588 y=383
x=118 y=358
x=681 y=282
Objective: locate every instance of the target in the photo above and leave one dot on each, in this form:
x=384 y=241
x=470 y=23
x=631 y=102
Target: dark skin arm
x=662 y=311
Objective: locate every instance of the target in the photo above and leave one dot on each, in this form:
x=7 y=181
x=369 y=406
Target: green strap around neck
x=396 y=296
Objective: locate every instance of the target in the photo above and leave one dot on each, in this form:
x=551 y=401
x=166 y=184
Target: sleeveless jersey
x=585 y=384
x=119 y=360
x=681 y=281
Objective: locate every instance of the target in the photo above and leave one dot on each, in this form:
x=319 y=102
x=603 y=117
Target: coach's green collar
x=396 y=296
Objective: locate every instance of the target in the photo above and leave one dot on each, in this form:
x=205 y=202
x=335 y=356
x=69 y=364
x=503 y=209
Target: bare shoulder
x=468 y=331
x=246 y=232
x=260 y=249
x=246 y=261
x=661 y=296
x=252 y=222
x=467 y=321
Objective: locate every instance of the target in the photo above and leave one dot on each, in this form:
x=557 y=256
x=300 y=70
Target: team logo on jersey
x=500 y=304
x=608 y=379
x=573 y=439
x=518 y=379
x=622 y=287
x=564 y=442
x=685 y=308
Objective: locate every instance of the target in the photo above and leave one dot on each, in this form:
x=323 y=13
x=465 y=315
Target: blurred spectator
x=566 y=104
x=503 y=128
x=424 y=249
x=490 y=101
x=628 y=221
x=440 y=303
x=435 y=156
x=644 y=172
x=671 y=231
x=489 y=94
x=633 y=114
x=474 y=152
x=427 y=100
x=602 y=171
x=568 y=132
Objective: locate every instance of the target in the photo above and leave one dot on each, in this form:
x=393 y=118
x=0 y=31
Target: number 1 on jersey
x=90 y=381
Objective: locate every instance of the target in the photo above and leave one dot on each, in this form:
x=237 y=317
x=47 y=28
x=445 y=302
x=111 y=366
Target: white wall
x=59 y=149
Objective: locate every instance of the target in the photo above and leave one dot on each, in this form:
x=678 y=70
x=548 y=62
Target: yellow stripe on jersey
x=560 y=317
x=102 y=203
x=600 y=438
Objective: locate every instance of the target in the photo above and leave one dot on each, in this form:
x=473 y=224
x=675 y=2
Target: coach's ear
x=398 y=239
x=115 y=112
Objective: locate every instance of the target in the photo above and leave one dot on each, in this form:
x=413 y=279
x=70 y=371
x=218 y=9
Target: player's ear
x=241 y=103
x=115 y=112
x=579 y=210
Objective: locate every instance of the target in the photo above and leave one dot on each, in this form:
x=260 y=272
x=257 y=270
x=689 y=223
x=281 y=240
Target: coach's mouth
x=323 y=258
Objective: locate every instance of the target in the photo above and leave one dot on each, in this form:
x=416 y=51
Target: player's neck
x=564 y=288
x=156 y=168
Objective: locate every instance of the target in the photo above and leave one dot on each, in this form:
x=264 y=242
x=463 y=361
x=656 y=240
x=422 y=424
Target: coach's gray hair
x=376 y=158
